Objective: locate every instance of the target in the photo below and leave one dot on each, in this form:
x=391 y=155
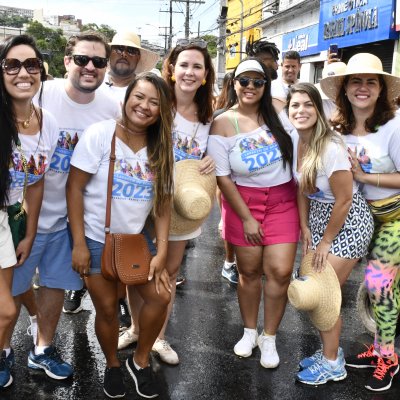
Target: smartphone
x=333 y=49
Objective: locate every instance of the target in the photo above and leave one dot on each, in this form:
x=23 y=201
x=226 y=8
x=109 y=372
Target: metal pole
x=221 y=45
x=170 y=25
x=241 y=30
x=187 y=19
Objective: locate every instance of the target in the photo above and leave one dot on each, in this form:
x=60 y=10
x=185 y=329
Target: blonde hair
x=321 y=136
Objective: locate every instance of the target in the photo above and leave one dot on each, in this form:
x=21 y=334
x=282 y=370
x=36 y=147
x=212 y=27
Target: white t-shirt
x=378 y=153
x=189 y=138
x=116 y=92
x=335 y=158
x=132 y=193
x=72 y=118
x=253 y=159
x=37 y=150
x=279 y=88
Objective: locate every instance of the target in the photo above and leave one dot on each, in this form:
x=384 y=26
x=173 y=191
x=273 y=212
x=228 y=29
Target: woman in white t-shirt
x=28 y=139
x=253 y=155
x=335 y=220
x=142 y=184
x=364 y=95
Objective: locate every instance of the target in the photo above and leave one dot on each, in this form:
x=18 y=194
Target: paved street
x=205 y=326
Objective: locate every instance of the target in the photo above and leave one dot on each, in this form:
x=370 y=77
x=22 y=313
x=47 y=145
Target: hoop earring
x=203 y=82
x=173 y=79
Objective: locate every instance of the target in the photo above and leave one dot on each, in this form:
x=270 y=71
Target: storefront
x=359 y=26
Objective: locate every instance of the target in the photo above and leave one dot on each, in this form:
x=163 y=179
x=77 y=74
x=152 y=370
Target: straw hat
x=193 y=197
x=148 y=59
x=361 y=63
x=335 y=68
x=318 y=293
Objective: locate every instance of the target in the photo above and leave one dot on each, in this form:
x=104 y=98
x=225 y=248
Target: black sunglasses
x=82 y=61
x=131 y=51
x=257 y=82
x=12 y=66
x=194 y=42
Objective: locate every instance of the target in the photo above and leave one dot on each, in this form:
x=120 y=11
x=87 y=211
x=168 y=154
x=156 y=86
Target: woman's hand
x=321 y=255
x=306 y=240
x=81 y=260
x=160 y=274
x=356 y=169
x=253 y=232
x=23 y=250
x=207 y=165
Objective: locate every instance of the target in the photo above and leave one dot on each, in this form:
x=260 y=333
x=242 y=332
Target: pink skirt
x=275 y=208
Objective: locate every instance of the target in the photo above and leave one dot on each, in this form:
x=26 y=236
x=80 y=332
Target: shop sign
x=304 y=41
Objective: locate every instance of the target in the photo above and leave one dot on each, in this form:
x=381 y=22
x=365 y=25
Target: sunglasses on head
x=194 y=42
x=131 y=51
x=82 y=61
x=12 y=66
x=257 y=82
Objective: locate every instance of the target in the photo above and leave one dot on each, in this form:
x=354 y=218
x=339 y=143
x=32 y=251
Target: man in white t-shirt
x=75 y=103
x=290 y=71
x=128 y=58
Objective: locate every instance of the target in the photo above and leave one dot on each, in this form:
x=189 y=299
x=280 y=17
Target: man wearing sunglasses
x=76 y=103
x=127 y=59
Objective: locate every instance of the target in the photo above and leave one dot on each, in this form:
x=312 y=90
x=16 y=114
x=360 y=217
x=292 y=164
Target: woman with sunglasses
x=142 y=184
x=364 y=95
x=335 y=220
x=28 y=139
x=253 y=154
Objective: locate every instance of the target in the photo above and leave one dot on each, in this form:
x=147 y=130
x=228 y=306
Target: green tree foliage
x=211 y=44
x=106 y=30
x=15 y=21
x=52 y=44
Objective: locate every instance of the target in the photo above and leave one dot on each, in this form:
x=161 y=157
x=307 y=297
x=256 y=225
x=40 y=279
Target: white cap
x=249 y=65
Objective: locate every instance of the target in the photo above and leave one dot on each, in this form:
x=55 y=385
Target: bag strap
x=25 y=167
x=110 y=184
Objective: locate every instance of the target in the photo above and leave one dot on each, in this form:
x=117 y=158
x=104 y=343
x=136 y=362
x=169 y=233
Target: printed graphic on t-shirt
x=132 y=183
x=260 y=152
x=318 y=194
x=186 y=147
x=67 y=140
x=36 y=165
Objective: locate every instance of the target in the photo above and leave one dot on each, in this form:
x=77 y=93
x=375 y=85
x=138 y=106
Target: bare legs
x=8 y=310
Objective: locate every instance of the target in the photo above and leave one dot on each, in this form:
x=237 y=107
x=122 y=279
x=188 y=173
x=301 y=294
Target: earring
x=203 y=82
x=173 y=79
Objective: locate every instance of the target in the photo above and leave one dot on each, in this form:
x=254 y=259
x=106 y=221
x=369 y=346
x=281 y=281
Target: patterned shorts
x=353 y=238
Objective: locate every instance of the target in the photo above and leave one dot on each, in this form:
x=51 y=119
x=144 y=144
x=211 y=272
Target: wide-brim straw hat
x=361 y=63
x=335 y=68
x=193 y=197
x=318 y=293
x=148 y=58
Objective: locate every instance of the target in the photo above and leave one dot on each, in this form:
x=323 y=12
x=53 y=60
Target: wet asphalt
x=204 y=327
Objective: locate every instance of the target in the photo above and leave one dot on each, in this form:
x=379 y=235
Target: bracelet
x=162 y=240
x=377 y=183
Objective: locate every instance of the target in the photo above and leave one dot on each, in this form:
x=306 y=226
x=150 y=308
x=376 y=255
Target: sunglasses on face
x=12 y=66
x=257 y=82
x=82 y=61
x=130 y=51
x=194 y=42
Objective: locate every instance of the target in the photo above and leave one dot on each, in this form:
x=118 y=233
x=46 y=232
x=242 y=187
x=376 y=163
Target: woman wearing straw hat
x=142 y=184
x=335 y=220
x=253 y=153
x=366 y=117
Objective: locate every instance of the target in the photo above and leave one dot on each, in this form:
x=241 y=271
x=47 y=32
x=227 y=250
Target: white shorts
x=7 y=251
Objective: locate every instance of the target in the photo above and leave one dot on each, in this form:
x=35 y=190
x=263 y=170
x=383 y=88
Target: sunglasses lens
x=132 y=51
x=32 y=65
x=258 y=83
x=244 y=82
x=81 y=61
x=99 y=62
x=12 y=66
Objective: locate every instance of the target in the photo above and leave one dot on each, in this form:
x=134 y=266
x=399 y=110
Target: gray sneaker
x=230 y=273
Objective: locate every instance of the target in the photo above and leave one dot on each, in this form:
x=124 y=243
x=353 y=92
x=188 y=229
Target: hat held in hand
x=318 y=293
x=193 y=197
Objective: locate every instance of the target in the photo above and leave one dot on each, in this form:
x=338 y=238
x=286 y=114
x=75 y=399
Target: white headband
x=249 y=65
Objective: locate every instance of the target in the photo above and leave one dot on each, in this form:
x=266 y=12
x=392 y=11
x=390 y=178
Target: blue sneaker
x=10 y=360
x=51 y=363
x=321 y=372
x=230 y=273
x=317 y=356
x=5 y=374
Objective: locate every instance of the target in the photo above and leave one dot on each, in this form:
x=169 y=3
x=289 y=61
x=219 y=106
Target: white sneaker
x=126 y=338
x=33 y=328
x=244 y=347
x=166 y=352
x=269 y=355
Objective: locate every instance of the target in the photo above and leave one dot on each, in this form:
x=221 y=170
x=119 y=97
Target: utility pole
x=221 y=61
x=187 y=16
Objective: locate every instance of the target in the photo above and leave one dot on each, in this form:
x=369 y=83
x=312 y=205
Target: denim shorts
x=96 y=249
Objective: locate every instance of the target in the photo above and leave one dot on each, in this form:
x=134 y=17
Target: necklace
x=25 y=123
x=128 y=137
